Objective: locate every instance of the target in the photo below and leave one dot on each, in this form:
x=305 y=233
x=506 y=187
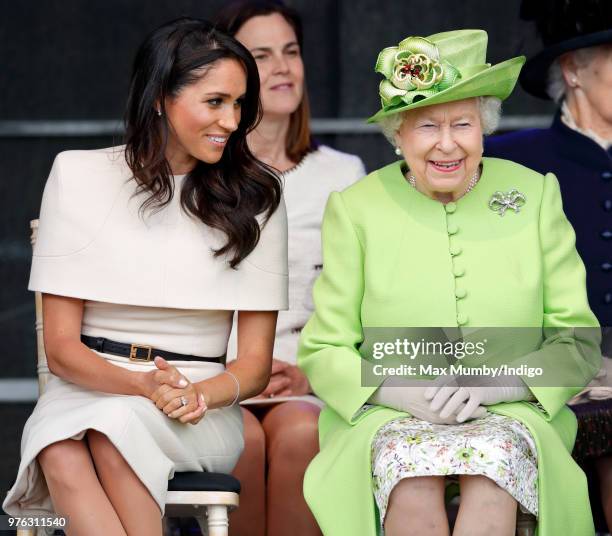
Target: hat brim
x=496 y=81
x=534 y=77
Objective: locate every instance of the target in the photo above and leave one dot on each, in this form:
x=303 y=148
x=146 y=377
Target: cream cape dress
x=151 y=280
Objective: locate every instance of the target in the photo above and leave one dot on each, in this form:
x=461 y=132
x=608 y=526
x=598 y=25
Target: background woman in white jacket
x=281 y=425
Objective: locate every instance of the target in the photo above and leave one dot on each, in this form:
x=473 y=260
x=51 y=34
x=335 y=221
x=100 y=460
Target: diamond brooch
x=500 y=202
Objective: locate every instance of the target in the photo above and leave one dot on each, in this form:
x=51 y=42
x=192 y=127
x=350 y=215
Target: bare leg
x=132 y=501
x=250 y=518
x=416 y=508
x=604 y=471
x=76 y=491
x=292 y=441
x=485 y=508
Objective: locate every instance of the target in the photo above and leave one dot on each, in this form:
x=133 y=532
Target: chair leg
x=203 y=523
x=218 y=523
x=525 y=524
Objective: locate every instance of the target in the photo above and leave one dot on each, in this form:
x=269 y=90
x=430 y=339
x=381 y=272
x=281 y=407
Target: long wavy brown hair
x=230 y=19
x=227 y=195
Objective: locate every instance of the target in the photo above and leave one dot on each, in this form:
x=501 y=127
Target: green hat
x=443 y=67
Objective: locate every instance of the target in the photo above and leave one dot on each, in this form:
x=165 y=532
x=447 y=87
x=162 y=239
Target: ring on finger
x=184 y=401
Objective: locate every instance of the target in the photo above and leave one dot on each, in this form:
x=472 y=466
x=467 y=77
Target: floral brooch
x=500 y=202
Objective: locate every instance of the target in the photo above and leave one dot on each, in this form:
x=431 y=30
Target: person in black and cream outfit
x=143 y=255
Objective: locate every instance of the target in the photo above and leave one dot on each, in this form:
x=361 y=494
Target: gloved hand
x=399 y=394
x=448 y=398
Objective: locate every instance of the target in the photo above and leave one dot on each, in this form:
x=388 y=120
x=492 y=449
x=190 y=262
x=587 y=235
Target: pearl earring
x=574 y=81
x=398 y=151
x=159 y=113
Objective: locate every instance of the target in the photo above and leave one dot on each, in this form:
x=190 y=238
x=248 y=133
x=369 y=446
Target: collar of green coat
x=394 y=179
x=497 y=175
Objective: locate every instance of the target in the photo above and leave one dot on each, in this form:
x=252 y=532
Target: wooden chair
x=206 y=496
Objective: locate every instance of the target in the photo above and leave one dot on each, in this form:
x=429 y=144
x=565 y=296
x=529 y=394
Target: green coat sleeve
x=328 y=350
x=570 y=354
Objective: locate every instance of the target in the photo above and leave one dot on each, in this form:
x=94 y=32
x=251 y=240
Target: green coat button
x=462 y=319
x=452 y=228
x=460 y=293
x=458 y=271
x=450 y=207
x=455 y=250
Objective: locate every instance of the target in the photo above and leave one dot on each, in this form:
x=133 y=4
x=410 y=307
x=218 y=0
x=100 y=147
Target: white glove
x=448 y=398
x=402 y=395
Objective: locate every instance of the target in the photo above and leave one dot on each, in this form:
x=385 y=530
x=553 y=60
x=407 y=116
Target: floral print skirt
x=494 y=446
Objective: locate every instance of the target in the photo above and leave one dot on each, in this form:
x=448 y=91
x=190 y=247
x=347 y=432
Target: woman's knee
x=63 y=462
x=481 y=488
x=416 y=495
x=254 y=435
x=291 y=430
x=105 y=455
x=252 y=461
x=426 y=487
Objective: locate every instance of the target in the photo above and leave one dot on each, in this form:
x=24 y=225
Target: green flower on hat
x=439 y=68
x=413 y=70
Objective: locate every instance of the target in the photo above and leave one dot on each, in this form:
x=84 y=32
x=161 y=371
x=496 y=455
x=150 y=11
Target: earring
x=574 y=81
x=159 y=113
x=398 y=151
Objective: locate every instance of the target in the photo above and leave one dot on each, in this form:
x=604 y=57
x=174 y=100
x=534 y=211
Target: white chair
x=206 y=496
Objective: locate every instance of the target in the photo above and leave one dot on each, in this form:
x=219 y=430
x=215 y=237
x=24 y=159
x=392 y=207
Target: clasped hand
x=172 y=393
x=449 y=398
x=444 y=401
x=286 y=380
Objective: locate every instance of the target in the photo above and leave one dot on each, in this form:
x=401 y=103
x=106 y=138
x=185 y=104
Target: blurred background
x=65 y=67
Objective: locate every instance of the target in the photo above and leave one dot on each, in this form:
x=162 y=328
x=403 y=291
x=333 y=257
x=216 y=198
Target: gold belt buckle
x=134 y=352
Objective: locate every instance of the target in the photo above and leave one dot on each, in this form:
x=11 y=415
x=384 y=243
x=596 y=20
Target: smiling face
x=273 y=43
x=204 y=114
x=442 y=145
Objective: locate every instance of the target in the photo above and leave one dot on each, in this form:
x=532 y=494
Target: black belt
x=141 y=352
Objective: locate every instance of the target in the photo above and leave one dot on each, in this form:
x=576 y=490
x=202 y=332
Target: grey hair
x=555 y=83
x=556 y=87
x=489 y=108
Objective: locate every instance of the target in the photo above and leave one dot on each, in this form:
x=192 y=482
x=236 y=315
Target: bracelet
x=237 y=387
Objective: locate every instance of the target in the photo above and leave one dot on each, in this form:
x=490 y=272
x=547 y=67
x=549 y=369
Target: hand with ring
x=186 y=403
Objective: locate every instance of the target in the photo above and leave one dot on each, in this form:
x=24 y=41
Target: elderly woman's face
x=595 y=81
x=442 y=145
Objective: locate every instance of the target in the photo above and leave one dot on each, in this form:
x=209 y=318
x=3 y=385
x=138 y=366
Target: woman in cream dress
x=146 y=251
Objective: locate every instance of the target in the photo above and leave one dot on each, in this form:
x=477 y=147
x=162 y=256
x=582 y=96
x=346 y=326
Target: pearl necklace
x=412 y=180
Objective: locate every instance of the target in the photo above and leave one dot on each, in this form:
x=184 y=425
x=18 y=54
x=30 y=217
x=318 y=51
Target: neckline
x=581 y=147
x=472 y=193
x=568 y=119
x=298 y=165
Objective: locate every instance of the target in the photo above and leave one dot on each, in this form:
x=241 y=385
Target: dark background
x=70 y=60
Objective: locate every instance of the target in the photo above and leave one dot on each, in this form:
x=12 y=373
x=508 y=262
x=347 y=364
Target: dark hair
x=227 y=195
x=230 y=19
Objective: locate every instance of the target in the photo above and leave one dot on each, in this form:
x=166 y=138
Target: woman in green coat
x=448 y=239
